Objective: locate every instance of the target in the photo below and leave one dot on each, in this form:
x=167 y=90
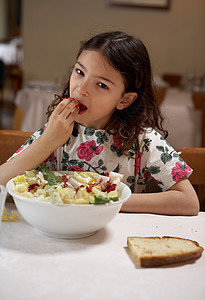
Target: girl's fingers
x=73 y=113
x=69 y=111
x=65 y=107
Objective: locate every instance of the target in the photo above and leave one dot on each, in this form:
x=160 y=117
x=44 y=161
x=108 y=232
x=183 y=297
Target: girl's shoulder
x=152 y=135
x=151 y=141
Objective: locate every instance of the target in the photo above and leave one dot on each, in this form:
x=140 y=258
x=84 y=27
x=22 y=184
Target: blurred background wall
x=52 y=30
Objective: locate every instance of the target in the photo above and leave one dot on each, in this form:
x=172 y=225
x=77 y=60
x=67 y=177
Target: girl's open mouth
x=82 y=108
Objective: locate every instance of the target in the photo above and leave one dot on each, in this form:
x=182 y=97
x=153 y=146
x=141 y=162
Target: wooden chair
x=2 y=79
x=160 y=93
x=10 y=141
x=172 y=79
x=195 y=158
x=15 y=75
x=199 y=102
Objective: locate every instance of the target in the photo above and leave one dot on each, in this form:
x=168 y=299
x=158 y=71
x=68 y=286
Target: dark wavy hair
x=128 y=55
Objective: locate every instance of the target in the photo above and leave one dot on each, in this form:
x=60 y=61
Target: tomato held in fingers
x=82 y=107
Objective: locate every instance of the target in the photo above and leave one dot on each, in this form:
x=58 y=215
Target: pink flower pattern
x=19 y=149
x=146 y=174
x=86 y=150
x=75 y=168
x=179 y=171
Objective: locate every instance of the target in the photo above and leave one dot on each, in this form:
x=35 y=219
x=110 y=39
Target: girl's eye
x=78 y=71
x=102 y=85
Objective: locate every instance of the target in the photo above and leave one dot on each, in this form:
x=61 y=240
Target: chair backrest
x=199 y=102
x=195 y=158
x=10 y=141
x=2 y=73
x=172 y=79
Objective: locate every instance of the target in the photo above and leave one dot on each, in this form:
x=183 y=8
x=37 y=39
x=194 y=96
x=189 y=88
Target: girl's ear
x=126 y=100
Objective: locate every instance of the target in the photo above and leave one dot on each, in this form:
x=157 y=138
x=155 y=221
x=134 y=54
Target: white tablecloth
x=12 y=52
x=35 y=267
x=183 y=121
x=34 y=101
x=8 y=53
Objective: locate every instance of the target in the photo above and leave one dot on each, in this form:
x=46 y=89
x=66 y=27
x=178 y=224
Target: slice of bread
x=161 y=251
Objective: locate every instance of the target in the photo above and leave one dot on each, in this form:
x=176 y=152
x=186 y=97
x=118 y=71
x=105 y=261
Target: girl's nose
x=84 y=88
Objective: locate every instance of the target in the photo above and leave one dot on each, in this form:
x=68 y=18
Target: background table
x=34 y=100
x=34 y=266
x=183 y=121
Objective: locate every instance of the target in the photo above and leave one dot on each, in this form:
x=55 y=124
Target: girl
x=111 y=123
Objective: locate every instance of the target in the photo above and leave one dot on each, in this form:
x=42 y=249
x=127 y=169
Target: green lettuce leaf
x=49 y=176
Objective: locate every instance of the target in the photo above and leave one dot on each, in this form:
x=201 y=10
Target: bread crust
x=163 y=260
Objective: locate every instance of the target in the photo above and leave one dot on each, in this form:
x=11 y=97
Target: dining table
x=34 y=266
x=182 y=120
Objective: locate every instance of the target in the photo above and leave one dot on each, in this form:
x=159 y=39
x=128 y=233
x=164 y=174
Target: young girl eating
x=107 y=119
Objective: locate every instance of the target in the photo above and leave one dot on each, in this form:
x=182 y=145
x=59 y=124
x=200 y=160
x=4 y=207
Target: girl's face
x=98 y=87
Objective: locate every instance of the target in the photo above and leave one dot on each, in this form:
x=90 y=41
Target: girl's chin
x=88 y=124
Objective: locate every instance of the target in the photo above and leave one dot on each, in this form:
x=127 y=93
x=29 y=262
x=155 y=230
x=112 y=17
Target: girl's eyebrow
x=100 y=77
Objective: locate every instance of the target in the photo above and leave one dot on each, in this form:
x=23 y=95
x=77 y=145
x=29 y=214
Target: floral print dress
x=97 y=150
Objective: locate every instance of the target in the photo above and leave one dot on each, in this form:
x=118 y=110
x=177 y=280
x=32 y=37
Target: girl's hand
x=60 y=124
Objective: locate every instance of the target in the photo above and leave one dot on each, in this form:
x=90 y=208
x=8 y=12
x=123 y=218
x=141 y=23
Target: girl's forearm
x=171 y=202
x=158 y=203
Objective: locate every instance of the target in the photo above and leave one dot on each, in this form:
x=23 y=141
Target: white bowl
x=68 y=221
